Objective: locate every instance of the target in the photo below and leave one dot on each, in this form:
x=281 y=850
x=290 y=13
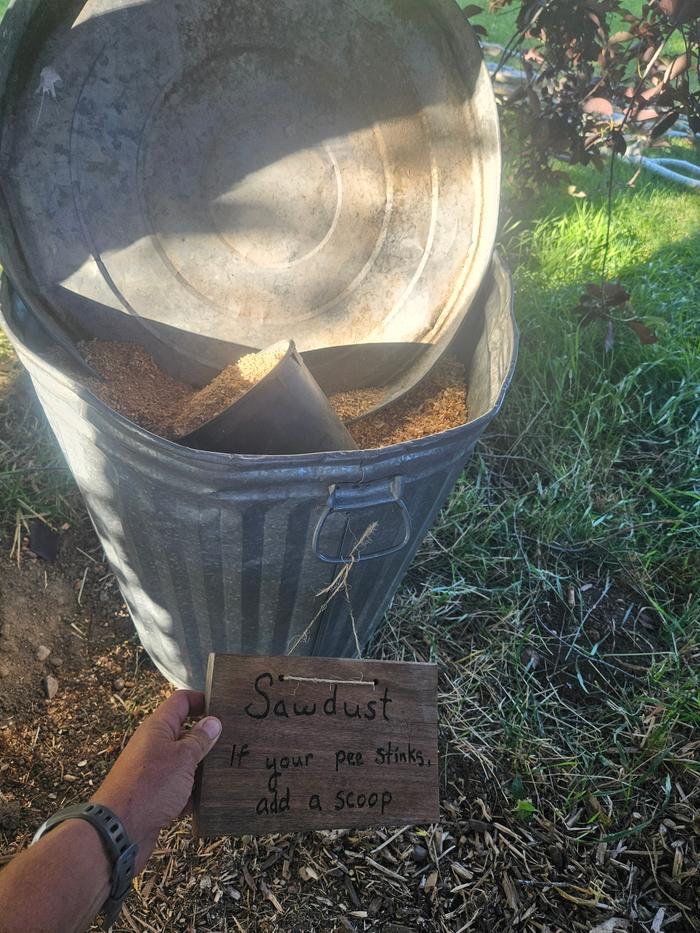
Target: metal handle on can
x=347 y=498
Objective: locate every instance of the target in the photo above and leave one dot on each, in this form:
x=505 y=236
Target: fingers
x=179 y=706
x=201 y=738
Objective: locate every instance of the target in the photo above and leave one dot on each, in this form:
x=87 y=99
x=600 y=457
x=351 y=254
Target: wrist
x=124 y=807
x=76 y=834
x=57 y=884
x=119 y=850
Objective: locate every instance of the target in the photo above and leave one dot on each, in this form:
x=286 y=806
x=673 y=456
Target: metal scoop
x=286 y=412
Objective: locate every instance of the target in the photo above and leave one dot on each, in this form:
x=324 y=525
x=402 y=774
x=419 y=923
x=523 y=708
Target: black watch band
x=120 y=851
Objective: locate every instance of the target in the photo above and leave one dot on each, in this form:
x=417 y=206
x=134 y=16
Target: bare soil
x=53 y=751
x=51 y=614
x=35 y=615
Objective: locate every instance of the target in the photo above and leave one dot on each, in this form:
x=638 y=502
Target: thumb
x=201 y=738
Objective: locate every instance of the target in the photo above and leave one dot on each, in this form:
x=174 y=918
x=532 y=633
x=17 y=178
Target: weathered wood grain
x=353 y=745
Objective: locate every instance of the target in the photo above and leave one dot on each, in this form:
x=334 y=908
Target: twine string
x=340 y=583
x=330 y=680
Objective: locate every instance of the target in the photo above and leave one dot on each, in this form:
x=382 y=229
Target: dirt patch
x=137 y=388
x=35 y=610
x=49 y=612
x=55 y=751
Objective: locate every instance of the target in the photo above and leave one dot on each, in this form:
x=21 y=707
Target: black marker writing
x=285 y=707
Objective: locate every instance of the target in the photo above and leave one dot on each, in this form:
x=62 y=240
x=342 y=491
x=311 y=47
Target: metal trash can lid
x=245 y=172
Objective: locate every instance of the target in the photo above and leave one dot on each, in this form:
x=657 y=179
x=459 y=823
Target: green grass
x=559 y=589
x=502 y=26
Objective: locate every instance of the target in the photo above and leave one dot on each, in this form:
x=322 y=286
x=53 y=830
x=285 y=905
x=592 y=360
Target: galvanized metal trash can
x=204 y=177
x=217 y=552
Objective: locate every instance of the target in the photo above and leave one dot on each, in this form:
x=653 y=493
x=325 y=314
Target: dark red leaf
x=589 y=318
x=479 y=30
x=664 y=124
x=679 y=11
x=615 y=295
x=618 y=142
x=667 y=97
x=595 y=290
x=651 y=92
x=619 y=37
x=472 y=10
x=646 y=113
x=642 y=331
x=612 y=293
x=677 y=67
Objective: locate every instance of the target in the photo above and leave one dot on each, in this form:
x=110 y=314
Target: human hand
x=150 y=784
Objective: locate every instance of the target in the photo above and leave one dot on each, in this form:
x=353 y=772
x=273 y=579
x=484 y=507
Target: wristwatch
x=120 y=851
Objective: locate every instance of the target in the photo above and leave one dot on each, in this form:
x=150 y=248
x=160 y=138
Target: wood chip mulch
x=481 y=868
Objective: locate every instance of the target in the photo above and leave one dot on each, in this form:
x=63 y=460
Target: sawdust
x=230 y=385
x=255 y=366
x=136 y=387
x=435 y=405
x=355 y=402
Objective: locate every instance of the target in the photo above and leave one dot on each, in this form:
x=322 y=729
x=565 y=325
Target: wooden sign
x=315 y=743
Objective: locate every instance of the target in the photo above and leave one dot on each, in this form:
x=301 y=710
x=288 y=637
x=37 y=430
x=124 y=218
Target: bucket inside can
x=285 y=412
